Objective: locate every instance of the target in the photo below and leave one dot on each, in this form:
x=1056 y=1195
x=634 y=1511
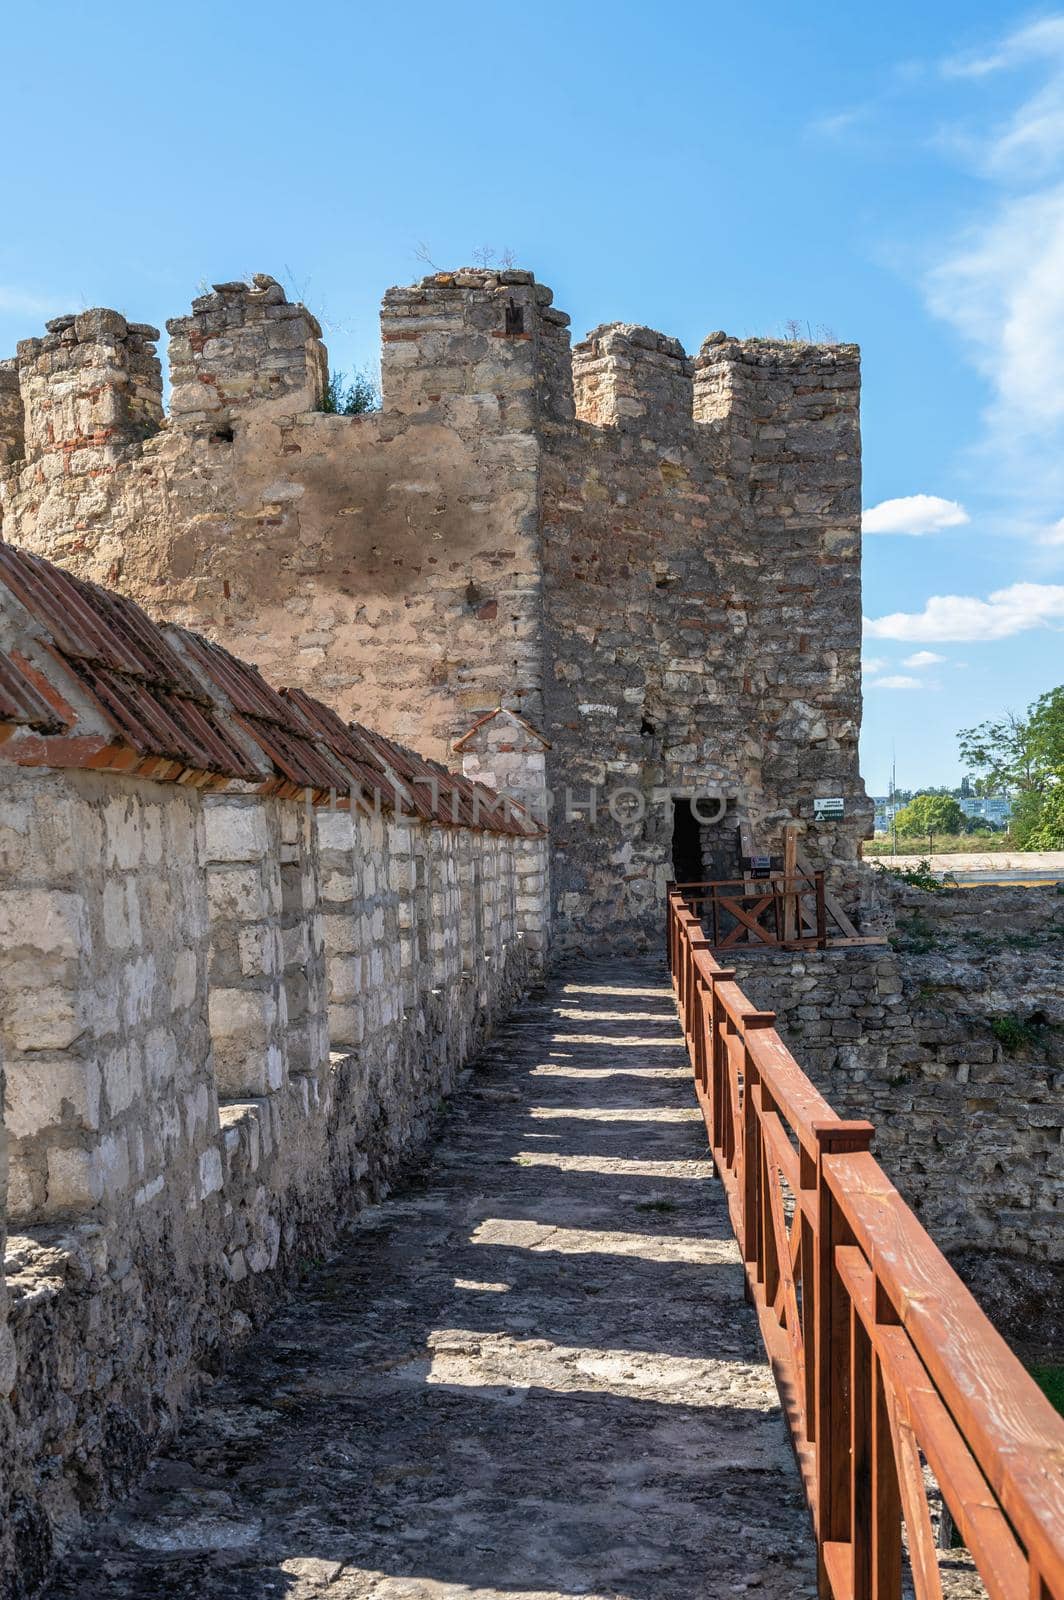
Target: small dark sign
x=760 y=866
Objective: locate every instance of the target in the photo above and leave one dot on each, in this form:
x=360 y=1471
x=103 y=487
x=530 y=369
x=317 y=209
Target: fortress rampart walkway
x=530 y=1372
x=534 y=1370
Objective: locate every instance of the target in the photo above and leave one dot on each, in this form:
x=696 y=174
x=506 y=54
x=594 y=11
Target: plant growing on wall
x=1047 y=832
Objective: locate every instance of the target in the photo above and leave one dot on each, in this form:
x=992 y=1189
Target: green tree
x=1018 y=754
x=1048 y=830
x=930 y=814
x=1024 y=757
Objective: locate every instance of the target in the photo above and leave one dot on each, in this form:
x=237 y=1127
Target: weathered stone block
x=235 y=832
x=43 y=1092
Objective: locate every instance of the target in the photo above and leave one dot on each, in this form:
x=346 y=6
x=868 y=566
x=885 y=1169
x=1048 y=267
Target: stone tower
x=651 y=561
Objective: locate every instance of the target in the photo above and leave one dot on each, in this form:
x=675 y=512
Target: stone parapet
x=230 y=1008
x=89 y=387
x=244 y=345
x=633 y=378
x=12 y=420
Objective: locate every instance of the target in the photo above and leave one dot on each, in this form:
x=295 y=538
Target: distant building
x=995 y=808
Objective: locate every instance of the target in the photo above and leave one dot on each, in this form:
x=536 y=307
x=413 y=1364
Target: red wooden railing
x=884 y=1362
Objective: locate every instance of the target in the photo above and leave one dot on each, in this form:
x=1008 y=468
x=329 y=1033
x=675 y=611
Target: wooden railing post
x=750 y=1151
x=832 y=1356
x=791 y=918
x=821 y=913
x=885 y=1496
x=695 y=1020
x=718 y=1065
x=884 y=1361
x=808 y=1178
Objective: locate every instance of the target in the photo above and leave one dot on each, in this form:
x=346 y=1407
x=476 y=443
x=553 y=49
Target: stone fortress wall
x=232 y=995
x=950 y=1039
x=240 y=968
x=653 y=560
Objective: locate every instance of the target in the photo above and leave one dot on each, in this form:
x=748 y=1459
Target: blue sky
x=892 y=174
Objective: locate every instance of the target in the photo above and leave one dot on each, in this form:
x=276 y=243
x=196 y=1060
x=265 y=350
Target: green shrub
x=1012 y=1034
x=914 y=936
x=352 y=397
x=918 y=877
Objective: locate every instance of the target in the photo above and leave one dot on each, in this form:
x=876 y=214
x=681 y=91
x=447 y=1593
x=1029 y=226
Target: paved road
x=531 y=1373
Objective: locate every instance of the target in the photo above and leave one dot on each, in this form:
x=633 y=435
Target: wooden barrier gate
x=883 y=1359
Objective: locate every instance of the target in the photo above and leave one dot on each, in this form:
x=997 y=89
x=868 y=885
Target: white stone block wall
x=103 y=921
x=248 y=1002
x=224 y=1019
x=303 y=941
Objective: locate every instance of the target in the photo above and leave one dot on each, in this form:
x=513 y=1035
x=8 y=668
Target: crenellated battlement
x=651 y=556
x=631 y=377
x=791 y=412
x=12 y=424
x=741 y=378
x=245 y=344
x=476 y=333
x=91 y=386
x=487 y=348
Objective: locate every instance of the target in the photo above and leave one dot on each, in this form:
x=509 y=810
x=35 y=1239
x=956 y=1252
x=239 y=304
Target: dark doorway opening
x=686 y=843
x=705 y=851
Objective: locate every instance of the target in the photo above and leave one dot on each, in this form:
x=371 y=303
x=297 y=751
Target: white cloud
x=922 y=658
x=955 y=616
x=839 y=123
x=1002 y=288
x=1053 y=535
x=1032 y=138
x=896 y=680
x=872 y=664
x=914 y=514
x=1000 y=282
x=1036 y=38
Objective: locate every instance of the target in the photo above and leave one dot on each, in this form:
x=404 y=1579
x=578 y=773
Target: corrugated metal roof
x=88 y=623
x=144 y=690
x=20 y=702
x=175 y=695
x=289 y=741
x=156 y=722
x=364 y=771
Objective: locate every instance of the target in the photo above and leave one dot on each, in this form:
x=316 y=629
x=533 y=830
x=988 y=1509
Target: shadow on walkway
x=531 y=1372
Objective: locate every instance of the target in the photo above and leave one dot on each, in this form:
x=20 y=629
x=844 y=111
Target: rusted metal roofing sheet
x=190 y=703
x=406 y=781
x=88 y=623
x=156 y=722
x=364 y=771
x=242 y=684
x=291 y=743
x=443 y=796
x=20 y=702
x=138 y=680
